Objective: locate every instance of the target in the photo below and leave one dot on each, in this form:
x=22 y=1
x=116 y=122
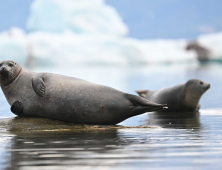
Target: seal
x=66 y=98
x=203 y=53
x=180 y=98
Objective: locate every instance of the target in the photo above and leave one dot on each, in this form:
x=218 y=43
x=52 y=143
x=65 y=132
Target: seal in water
x=180 y=98
x=67 y=98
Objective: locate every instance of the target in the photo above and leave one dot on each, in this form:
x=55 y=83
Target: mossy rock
x=24 y=124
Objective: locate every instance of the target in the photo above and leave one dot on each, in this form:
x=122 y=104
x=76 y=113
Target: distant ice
x=13 y=45
x=213 y=42
x=69 y=32
x=67 y=48
x=77 y=16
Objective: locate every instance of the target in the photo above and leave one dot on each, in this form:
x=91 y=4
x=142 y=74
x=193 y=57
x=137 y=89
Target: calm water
x=180 y=141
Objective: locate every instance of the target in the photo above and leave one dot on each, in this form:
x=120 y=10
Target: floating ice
x=78 y=16
x=68 y=32
x=13 y=45
x=213 y=42
x=66 y=48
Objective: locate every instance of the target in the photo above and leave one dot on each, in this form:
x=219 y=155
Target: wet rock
x=23 y=124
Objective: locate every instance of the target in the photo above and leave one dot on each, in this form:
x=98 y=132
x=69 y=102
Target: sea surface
x=179 y=141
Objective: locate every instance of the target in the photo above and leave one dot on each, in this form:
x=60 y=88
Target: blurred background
x=110 y=31
x=144 y=19
x=127 y=44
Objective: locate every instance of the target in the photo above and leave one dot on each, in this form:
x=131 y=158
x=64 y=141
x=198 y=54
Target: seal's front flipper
x=17 y=108
x=39 y=85
x=142 y=105
x=142 y=93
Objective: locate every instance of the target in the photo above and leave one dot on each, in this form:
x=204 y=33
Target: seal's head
x=9 y=70
x=195 y=88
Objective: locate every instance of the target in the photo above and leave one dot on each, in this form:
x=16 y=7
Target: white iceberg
x=13 y=45
x=212 y=42
x=78 y=16
x=68 y=32
x=45 y=48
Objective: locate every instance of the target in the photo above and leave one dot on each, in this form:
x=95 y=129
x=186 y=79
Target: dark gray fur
x=71 y=99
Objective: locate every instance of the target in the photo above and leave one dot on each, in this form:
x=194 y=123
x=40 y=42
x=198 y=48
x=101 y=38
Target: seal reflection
x=179 y=120
x=58 y=149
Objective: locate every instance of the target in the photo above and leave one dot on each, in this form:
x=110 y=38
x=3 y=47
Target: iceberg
x=213 y=42
x=69 y=32
x=13 y=45
x=78 y=16
x=46 y=48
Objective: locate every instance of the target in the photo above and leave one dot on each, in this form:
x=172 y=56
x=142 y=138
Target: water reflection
x=184 y=143
x=179 y=120
x=63 y=148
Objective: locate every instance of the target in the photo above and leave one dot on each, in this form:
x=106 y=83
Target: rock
x=29 y=124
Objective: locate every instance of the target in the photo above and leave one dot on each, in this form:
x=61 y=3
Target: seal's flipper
x=39 y=86
x=17 y=108
x=142 y=105
x=142 y=93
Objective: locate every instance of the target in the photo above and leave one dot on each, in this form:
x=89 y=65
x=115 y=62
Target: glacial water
x=178 y=141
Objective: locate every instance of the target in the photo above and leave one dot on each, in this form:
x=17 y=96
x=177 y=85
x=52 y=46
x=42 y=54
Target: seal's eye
x=10 y=64
x=0 y=64
x=201 y=82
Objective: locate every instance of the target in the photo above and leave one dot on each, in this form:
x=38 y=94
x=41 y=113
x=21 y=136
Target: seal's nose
x=207 y=87
x=3 y=68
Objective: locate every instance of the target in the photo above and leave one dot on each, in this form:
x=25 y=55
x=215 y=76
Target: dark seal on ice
x=203 y=53
x=180 y=98
x=67 y=98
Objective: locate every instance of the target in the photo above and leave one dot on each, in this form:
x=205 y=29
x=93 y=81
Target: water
x=179 y=142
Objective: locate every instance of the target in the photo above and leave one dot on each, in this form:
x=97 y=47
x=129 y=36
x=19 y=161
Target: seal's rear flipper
x=142 y=105
x=17 y=108
x=39 y=85
x=142 y=93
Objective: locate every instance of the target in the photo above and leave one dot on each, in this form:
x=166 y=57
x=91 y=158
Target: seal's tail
x=142 y=105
